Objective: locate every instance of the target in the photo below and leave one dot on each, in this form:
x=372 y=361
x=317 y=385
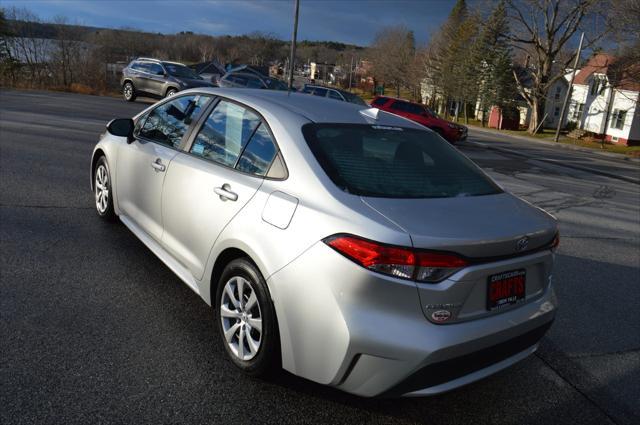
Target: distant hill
x=80 y=32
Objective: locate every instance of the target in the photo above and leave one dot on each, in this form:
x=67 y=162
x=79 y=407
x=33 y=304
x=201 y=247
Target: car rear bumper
x=366 y=333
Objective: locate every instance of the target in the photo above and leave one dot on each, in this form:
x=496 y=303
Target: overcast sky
x=347 y=21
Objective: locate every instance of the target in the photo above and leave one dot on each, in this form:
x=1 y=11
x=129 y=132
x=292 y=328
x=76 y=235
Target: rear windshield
x=394 y=162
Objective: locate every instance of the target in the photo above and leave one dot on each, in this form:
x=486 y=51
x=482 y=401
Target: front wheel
x=171 y=92
x=246 y=319
x=102 y=190
x=129 y=92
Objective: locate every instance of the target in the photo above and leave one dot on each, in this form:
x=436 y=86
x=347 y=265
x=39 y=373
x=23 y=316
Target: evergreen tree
x=492 y=55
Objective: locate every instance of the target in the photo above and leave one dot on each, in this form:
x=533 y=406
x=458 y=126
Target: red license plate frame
x=506 y=288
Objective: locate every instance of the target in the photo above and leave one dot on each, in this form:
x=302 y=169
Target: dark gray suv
x=153 y=77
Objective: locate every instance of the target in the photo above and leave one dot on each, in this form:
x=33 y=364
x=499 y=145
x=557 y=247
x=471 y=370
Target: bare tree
x=392 y=54
x=542 y=29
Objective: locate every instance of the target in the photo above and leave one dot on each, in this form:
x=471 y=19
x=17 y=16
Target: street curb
x=610 y=155
x=556 y=162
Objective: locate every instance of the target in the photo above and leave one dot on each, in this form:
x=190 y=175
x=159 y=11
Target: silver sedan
x=346 y=245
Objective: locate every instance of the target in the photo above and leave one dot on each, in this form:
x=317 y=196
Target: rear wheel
x=102 y=190
x=129 y=92
x=246 y=319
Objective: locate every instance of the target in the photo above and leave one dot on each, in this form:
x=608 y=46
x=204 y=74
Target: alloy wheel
x=241 y=318
x=102 y=189
x=128 y=91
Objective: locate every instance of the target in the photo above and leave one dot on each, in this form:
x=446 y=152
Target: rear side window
x=414 y=109
x=319 y=91
x=167 y=123
x=394 y=162
x=254 y=83
x=258 y=154
x=239 y=79
x=137 y=66
x=335 y=95
x=225 y=133
x=399 y=106
x=380 y=101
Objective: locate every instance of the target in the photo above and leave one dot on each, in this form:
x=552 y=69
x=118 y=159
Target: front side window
x=155 y=69
x=394 y=162
x=273 y=84
x=399 y=106
x=225 y=133
x=168 y=123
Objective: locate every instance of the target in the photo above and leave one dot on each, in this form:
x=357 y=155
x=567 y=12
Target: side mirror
x=121 y=127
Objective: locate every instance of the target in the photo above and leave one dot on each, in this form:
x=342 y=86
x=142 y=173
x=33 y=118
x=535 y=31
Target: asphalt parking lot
x=95 y=329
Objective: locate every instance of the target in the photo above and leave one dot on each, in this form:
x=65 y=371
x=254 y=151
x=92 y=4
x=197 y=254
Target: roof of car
x=397 y=98
x=314 y=108
x=159 y=61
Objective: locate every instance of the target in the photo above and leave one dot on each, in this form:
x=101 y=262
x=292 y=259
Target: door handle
x=225 y=193
x=158 y=165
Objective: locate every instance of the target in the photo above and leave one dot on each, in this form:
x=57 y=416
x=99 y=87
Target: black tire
x=267 y=361
x=129 y=91
x=171 y=91
x=104 y=208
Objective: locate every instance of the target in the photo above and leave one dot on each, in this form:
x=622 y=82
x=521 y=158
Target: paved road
x=575 y=158
x=95 y=329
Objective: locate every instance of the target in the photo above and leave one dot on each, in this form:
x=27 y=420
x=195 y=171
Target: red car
x=419 y=113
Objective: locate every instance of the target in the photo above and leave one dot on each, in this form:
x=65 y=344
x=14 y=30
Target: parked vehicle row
x=347 y=245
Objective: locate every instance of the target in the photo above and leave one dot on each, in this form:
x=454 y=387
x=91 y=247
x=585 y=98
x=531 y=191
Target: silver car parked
x=347 y=245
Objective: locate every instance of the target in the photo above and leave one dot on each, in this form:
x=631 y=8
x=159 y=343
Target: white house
x=604 y=101
x=555 y=99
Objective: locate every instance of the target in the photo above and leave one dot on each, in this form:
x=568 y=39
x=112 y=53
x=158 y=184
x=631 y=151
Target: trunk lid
x=487 y=228
x=473 y=226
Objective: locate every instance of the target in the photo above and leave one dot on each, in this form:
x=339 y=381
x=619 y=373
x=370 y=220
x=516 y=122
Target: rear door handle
x=225 y=193
x=158 y=165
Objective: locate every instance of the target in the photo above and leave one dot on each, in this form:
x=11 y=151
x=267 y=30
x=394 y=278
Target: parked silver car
x=350 y=246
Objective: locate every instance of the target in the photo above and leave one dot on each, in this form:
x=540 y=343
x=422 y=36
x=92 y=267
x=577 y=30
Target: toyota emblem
x=522 y=244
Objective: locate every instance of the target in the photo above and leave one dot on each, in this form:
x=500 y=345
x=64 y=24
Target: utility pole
x=566 y=97
x=292 y=60
x=350 y=72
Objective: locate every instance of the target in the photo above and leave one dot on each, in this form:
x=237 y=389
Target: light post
x=292 y=59
x=566 y=97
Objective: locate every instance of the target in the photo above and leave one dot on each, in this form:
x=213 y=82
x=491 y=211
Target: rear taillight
x=437 y=266
x=406 y=263
x=556 y=242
